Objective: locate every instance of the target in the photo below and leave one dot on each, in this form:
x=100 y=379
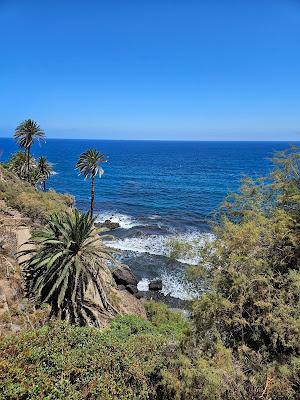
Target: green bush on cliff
x=167 y=322
x=24 y=197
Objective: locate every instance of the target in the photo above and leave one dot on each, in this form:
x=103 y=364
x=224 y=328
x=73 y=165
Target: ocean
x=157 y=191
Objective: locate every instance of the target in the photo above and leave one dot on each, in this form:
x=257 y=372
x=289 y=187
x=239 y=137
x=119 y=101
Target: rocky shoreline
x=125 y=280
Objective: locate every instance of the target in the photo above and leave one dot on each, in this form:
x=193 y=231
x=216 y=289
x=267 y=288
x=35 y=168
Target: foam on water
x=173 y=285
x=125 y=221
x=159 y=244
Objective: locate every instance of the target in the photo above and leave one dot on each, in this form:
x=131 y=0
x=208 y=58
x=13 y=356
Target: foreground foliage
x=61 y=361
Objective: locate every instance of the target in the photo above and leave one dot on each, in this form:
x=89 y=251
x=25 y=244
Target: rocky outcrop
x=155 y=285
x=107 y=225
x=123 y=276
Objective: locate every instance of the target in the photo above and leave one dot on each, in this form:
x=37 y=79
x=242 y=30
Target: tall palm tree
x=89 y=165
x=61 y=260
x=44 y=170
x=25 y=134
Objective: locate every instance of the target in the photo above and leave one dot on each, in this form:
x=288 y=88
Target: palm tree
x=25 y=134
x=89 y=165
x=61 y=260
x=18 y=164
x=44 y=169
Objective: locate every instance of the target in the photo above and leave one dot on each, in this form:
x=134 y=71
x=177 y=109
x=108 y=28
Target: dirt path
x=23 y=235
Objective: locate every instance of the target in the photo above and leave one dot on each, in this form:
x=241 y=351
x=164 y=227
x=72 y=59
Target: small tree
x=89 y=165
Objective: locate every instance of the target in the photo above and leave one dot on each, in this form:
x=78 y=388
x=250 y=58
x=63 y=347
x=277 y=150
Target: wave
x=159 y=244
x=173 y=285
x=125 y=221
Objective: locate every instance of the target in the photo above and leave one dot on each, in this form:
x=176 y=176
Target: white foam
x=154 y=217
x=174 y=285
x=143 y=285
x=159 y=244
x=125 y=221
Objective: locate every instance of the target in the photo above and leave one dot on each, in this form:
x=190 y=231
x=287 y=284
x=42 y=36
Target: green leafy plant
x=61 y=260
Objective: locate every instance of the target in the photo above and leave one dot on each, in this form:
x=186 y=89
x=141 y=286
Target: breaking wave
x=125 y=221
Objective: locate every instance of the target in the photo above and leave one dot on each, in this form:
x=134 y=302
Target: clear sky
x=152 y=69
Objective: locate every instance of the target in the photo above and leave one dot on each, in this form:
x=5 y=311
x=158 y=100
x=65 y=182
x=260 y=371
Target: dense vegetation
x=60 y=361
x=245 y=342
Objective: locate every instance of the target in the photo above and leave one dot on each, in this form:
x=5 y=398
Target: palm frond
x=68 y=254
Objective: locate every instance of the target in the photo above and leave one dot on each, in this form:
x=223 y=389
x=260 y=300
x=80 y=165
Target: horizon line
x=167 y=140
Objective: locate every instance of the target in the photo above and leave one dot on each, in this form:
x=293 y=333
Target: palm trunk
x=44 y=185
x=92 y=195
x=28 y=163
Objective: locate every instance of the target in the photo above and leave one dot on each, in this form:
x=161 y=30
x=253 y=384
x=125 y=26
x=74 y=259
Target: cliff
x=22 y=208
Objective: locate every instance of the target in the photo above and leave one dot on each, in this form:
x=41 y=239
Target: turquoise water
x=156 y=190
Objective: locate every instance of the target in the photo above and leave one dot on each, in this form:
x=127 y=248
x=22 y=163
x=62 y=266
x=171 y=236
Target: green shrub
x=167 y=322
x=245 y=336
x=60 y=361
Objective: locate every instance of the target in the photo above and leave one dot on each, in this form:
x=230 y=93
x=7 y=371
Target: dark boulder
x=121 y=287
x=155 y=285
x=139 y=295
x=123 y=276
x=132 y=289
x=108 y=224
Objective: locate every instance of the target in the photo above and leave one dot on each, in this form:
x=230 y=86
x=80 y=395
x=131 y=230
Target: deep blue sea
x=157 y=191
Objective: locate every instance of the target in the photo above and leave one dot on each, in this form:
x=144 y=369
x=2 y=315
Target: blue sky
x=155 y=69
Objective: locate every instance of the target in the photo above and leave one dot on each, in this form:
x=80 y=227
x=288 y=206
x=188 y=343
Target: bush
x=245 y=340
x=167 y=322
x=60 y=361
x=24 y=197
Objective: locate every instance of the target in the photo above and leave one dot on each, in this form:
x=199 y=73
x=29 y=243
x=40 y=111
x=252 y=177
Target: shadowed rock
x=155 y=285
x=123 y=276
x=108 y=224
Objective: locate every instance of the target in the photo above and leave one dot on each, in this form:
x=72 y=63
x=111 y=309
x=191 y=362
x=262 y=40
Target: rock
x=132 y=289
x=108 y=224
x=123 y=276
x=139 y=295
x=128 y=304
x=121 y=287
x=170 y=301
x=155 y=285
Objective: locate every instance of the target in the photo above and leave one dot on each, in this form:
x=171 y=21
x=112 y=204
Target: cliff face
x=12 y=223
x=17 y=219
